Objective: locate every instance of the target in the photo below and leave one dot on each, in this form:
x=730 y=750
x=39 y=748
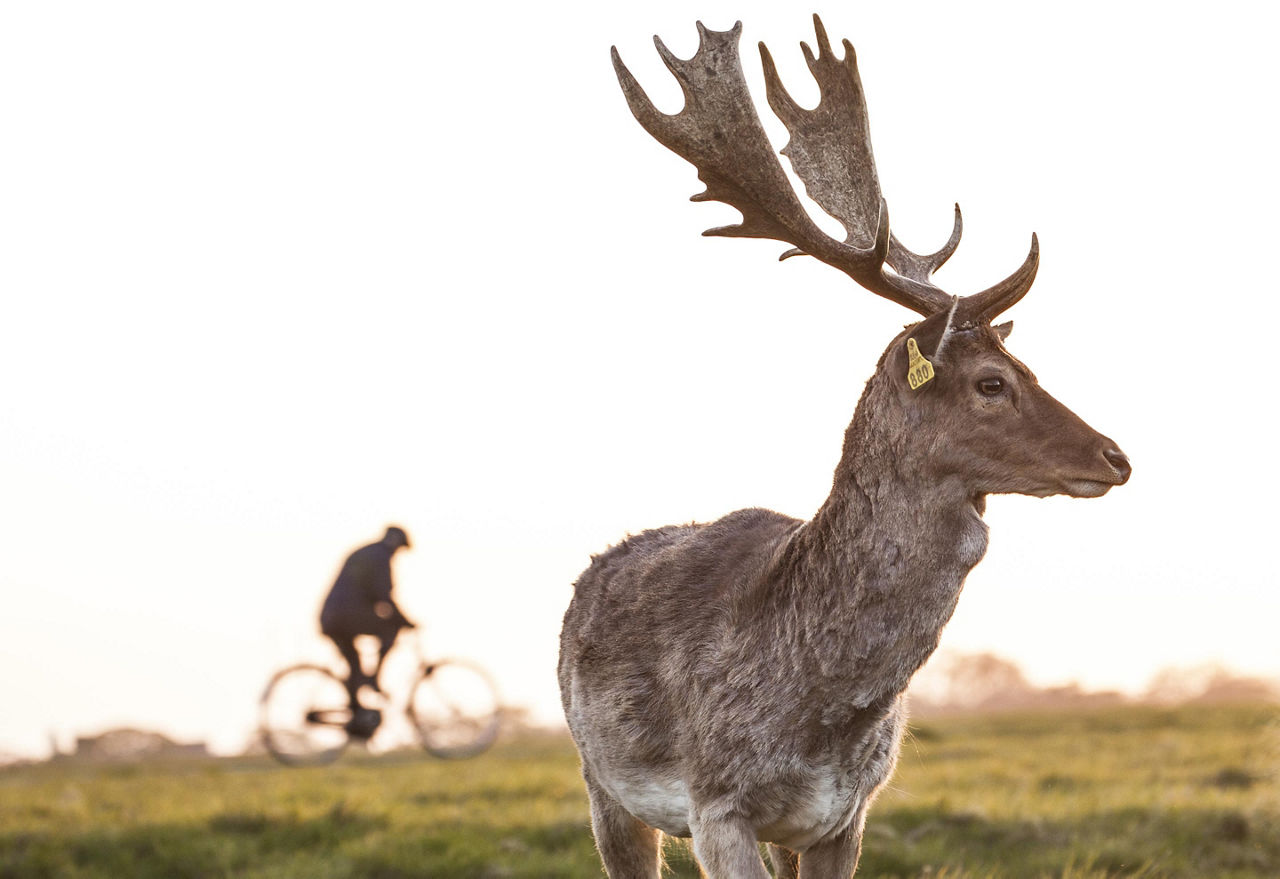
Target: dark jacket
x=363 y=584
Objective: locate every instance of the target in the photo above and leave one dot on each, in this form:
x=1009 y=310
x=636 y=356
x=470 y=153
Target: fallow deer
x=743 y=680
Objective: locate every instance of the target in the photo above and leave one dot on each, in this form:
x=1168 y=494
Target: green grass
x=1189 y=792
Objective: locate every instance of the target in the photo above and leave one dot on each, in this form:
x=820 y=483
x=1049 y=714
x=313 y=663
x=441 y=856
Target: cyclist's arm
x=383 y=604
x=388 y=610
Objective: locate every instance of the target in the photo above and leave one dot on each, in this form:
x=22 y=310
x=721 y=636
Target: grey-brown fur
x=742 y=680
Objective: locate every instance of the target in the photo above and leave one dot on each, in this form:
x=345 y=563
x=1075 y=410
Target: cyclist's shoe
x=363 y=723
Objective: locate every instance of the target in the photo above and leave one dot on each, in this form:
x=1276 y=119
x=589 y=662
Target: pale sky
x=277 y=274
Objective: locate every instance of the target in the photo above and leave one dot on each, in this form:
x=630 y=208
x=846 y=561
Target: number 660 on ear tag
x=919 y=370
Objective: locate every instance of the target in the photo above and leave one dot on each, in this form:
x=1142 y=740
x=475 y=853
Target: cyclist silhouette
x=360 y=603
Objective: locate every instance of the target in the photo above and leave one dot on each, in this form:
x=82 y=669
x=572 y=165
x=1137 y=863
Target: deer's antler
x=830 y=149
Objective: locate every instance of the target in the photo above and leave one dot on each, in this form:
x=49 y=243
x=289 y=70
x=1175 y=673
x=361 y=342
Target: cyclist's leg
x=386 y=640
x=346 y=645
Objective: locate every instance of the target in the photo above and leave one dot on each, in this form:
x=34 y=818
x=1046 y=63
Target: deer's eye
x=990 y=387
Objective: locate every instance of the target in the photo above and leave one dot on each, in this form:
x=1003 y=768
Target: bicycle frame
x=453 y=716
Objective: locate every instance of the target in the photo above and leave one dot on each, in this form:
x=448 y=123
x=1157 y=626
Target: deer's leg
x=785 y=862
x=834 y=858
x=629 y=848
x=726 y=848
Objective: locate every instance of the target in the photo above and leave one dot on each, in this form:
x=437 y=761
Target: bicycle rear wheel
x=302 y=716
x=454 y=707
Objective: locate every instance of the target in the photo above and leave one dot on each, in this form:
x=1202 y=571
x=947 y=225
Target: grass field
x=1188 y=792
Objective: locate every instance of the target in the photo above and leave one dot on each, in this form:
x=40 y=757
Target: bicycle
x=304 y=717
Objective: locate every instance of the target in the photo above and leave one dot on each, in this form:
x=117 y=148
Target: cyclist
x=360 y=603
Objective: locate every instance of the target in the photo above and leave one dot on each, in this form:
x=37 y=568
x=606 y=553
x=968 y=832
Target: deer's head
x=981 y=416
x=978 y=413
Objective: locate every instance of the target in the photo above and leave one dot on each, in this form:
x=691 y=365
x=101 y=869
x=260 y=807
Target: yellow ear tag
x=919 y=370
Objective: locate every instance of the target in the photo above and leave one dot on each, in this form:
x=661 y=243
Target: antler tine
x=824 y=43
x=784 y=106
x=919 y=267
x=985 y=306
x=673 y=63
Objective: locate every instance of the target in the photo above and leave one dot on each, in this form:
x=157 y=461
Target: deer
x=743 y=680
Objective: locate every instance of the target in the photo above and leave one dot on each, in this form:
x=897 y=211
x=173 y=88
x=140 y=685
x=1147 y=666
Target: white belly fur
x=825 y=808
x=661 y=803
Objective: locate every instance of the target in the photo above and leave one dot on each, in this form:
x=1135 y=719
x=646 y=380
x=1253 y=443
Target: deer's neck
x=874 y=577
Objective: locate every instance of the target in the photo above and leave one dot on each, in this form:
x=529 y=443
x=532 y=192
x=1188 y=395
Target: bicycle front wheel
x=454 y=707
x=302 y=716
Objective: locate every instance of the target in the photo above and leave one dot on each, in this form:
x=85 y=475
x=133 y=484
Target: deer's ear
x=1003 y=330
x=928 y=333
x=912 y=360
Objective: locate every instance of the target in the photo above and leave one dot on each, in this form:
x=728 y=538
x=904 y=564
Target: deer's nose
x=1120 y=461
